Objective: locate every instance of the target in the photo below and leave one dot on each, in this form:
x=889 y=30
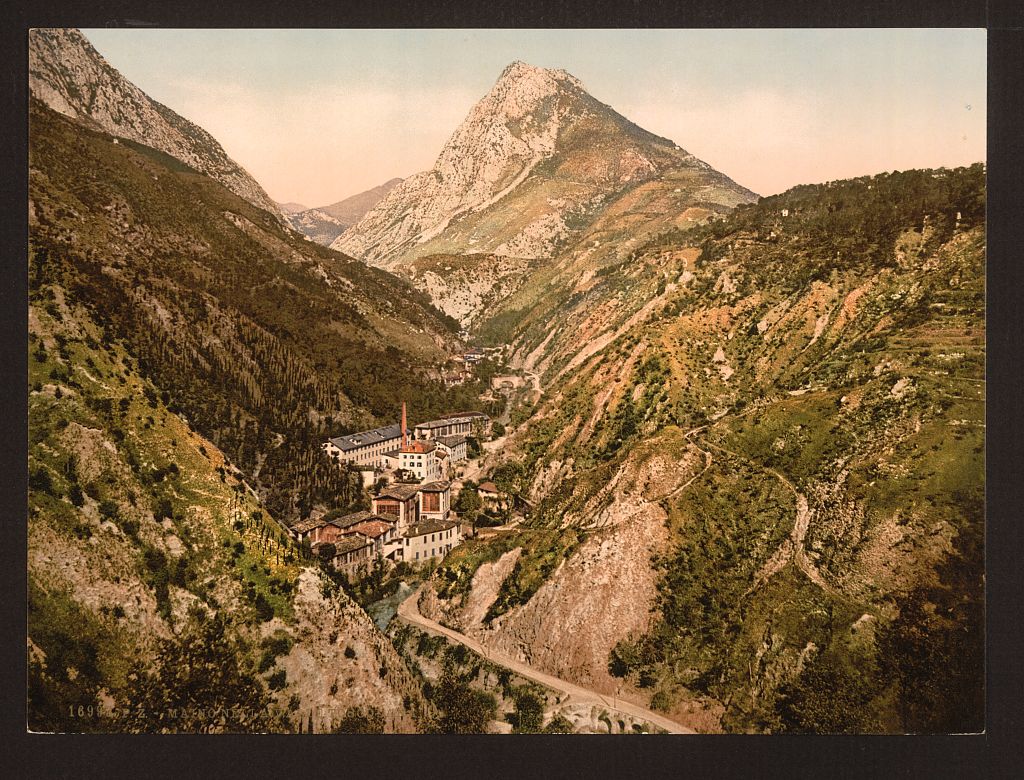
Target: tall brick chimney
x=403 y=426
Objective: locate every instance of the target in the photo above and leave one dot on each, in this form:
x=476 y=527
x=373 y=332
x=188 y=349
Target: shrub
x=39 y=479
x=559 y=725
x=277 y=680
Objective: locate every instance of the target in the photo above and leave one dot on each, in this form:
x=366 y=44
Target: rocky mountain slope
x=162 y=595
x=316 y=225
x=72 y=78
x=537 y=164
x=758 y=469
x=326 y=223
x=354 y=208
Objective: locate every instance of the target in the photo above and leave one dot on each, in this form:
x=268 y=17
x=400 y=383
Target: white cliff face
x=71 y=77
x=515 y=126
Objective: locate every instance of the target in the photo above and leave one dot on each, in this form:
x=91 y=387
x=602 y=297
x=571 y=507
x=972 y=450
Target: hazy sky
x=318 y=115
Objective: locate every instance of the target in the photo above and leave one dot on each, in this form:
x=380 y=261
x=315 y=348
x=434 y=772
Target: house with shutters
x=420 y=458
x=430 y=539
x=353 y=555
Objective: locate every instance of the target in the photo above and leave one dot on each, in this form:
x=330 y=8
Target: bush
x=463 y=710
x=277 y=680
x=39 y=479
x=109 y=509
x=264 y=611
x=529 y=713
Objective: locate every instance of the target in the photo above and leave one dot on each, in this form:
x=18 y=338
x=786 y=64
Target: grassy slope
x=131 y=525
x=878 y=421
x=159 y=586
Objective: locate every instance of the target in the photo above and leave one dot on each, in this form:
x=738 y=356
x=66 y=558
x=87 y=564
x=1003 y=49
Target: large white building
x=464 y=424
x=367 y=448
x=430 y=539
x=420 y=458
x=455 y=446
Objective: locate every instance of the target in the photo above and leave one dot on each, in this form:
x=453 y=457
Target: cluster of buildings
x=430 y=453
x=410 y=519
x=411 y=523
x=466 y=362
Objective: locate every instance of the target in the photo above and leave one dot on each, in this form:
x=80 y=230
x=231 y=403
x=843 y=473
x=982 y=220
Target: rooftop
x=438 y=486
x=420 y=446
x=400 y=492
x=451 y=441
x=308 y=524
x=353 y=441
x=372 y=528
x=350 y=543
x=346 y=521
x=430 y=527
x=488 y=487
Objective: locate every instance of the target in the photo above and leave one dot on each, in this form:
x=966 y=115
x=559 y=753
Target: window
x=417 y=556
x=431 y=502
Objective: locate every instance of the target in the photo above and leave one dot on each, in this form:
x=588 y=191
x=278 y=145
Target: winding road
x=409 y=611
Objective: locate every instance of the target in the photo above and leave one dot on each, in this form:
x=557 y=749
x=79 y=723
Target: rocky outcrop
x=71 y=77
x=340 y=660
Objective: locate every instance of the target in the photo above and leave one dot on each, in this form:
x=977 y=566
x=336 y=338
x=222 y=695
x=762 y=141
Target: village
x=411 y=474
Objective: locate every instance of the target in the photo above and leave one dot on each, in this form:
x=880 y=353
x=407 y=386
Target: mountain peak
x=522 y=86
x=517 y=70
x=537 y=139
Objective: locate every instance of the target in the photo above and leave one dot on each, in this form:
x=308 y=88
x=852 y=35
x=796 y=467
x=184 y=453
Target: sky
x=319 y=115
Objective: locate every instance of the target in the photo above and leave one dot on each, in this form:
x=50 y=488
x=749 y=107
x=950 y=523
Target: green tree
x=529 y=713
x=559 y=725
x=462 y=709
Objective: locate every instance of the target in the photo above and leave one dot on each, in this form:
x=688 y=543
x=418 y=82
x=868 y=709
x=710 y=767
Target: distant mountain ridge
x=536 y=162
x=352 y=209
x=325 y=223
x=72 y=78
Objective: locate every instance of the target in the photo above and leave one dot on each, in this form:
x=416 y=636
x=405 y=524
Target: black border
x=996 y=753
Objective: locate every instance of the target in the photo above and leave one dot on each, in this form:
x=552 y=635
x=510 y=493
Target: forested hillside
x=265 y=342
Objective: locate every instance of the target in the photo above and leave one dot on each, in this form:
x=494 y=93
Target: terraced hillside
x=758 y=469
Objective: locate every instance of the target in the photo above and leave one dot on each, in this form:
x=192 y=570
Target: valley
x=569 y=433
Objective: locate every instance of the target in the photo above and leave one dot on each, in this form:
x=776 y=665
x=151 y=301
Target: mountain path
x=408 y=611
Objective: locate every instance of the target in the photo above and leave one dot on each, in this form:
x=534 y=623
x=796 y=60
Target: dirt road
x=408 y=611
